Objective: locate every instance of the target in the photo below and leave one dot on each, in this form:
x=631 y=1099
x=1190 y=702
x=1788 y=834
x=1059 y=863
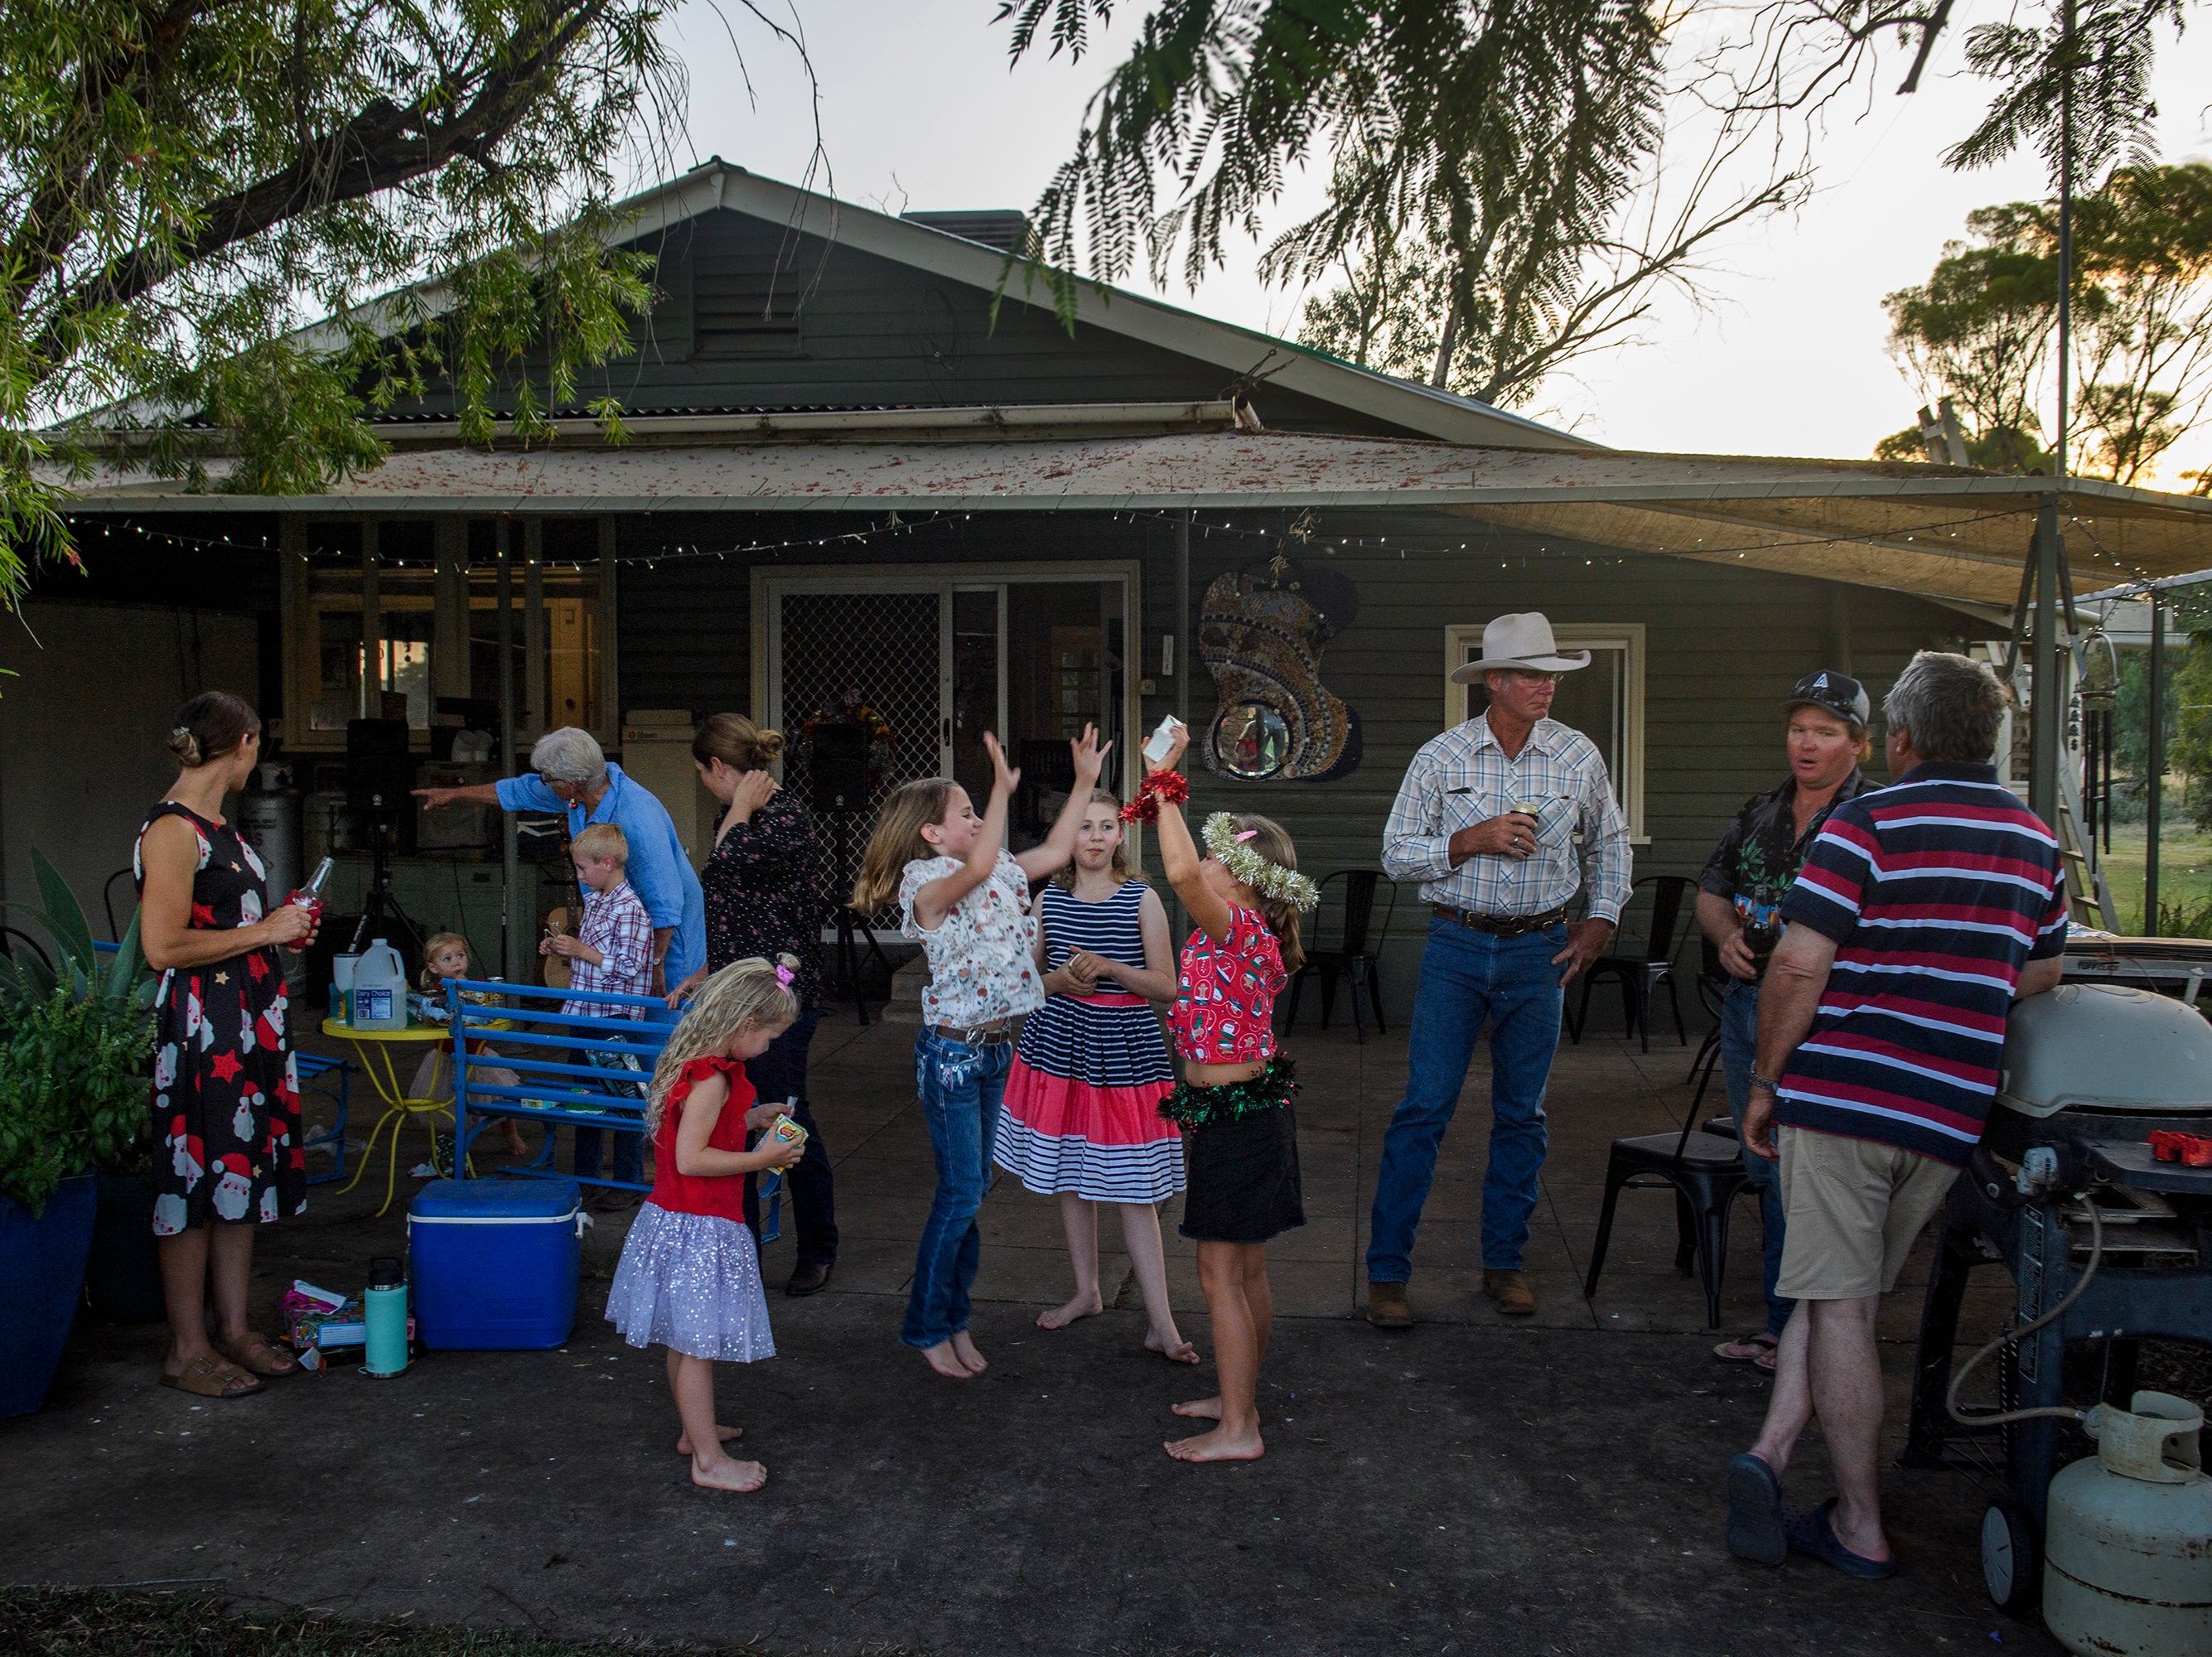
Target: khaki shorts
x=1855 y=1207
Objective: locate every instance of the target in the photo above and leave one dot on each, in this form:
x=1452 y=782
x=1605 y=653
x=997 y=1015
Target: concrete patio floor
x=1474 y=1485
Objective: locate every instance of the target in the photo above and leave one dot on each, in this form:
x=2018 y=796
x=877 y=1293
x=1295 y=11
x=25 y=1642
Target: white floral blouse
x=982 y=964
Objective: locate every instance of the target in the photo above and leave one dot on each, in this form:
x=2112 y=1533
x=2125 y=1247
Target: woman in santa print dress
x=226 y=1102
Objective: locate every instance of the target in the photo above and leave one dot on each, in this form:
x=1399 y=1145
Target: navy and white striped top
x=1109 y=1038
x=1937 y=891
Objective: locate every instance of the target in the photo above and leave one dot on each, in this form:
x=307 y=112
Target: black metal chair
x=1712 y=986
x=1353 y=956
x=1705 y=1173
x=107 y=900
x=14 y=937
x=1640 y=971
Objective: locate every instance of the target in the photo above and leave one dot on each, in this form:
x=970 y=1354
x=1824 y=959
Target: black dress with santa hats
x=226 y=1099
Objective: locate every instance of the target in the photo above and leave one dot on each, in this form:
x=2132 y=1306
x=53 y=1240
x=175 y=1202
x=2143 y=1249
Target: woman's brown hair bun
x=210 y=725
x=736 y=741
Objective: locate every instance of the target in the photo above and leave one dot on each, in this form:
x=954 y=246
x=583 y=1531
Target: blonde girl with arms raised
x=689 y=1279
x=1083 y=1118
x=965 y=899
x=1240 y=1132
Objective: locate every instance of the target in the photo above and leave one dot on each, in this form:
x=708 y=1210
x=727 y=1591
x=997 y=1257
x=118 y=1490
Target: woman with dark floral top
x=763 y=883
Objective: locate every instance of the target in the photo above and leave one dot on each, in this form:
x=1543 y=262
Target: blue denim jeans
x=962 y=1089
x=629 y=1148
x=1468 y=978
x=1739 y=1046
x=778 y=1075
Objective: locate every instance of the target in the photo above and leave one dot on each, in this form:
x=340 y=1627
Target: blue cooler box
x=492 y=1263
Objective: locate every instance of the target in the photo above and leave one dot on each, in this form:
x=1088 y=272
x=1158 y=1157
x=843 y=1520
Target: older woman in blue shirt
x=574 y=776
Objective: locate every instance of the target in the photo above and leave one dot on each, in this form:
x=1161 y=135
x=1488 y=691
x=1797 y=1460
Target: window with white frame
x=1604 y=701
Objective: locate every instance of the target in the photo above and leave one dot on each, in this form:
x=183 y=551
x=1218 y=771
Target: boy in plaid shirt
x=611 y=950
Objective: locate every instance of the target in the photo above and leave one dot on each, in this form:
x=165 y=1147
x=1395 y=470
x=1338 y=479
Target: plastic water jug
x=2128 y=1566
x=380 y=989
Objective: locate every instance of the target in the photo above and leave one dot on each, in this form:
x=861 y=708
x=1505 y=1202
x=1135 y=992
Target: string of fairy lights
x=1303 y=537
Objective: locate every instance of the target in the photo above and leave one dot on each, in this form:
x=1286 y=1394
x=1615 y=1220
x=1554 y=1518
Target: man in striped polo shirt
x=1923 y=912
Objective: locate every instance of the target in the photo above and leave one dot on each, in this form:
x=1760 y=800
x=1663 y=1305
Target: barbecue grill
x=2090 y=1072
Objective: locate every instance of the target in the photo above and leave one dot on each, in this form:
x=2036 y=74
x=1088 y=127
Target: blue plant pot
x=41 y=1276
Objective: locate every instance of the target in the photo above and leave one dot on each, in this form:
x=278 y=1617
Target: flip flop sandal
x=1762 y=1359
x=211 y=1377
x=1755 y=1515
x=1811 y=1533
x=254 y=1353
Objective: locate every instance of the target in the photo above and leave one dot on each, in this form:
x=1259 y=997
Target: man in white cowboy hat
x=1485 y=821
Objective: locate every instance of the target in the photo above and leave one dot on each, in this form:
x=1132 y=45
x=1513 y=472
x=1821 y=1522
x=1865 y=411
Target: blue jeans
x=629 y=1148
x=778 y=1075
x=1739 y=1046
x=1467 y=977
x=961 y=1091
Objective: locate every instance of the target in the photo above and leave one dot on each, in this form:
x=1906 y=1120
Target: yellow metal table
x=379 y=1052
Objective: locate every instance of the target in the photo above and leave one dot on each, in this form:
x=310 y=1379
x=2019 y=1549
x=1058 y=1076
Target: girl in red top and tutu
x=1240 y=1135
x=689 y=1277
x=1083 y=1117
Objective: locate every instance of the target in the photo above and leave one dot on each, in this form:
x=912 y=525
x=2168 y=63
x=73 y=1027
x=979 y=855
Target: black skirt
x=1243 y=1178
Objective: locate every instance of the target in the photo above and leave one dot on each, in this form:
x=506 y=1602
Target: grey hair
x=569 y=756
x=1950 y=708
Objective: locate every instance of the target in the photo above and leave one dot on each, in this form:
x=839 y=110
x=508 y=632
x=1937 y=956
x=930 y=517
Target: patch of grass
x=2184 y=877
x=193 y=1622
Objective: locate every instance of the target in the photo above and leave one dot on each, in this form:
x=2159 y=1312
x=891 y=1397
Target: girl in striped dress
x=1081 y=1112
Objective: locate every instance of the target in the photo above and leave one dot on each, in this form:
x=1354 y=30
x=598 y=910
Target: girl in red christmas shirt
x=689 y=1277
x=1241 y=1144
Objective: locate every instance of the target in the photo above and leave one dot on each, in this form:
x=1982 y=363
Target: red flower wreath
x=1169 y=786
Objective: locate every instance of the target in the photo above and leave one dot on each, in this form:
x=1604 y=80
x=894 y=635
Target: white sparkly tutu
x=691 y=1282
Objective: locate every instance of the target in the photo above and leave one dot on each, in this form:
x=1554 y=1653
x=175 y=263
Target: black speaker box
x=379 y=771
x=837 y=766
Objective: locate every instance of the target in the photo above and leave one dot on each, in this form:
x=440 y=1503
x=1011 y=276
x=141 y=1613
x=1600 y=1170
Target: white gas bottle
x=2127 y=1544
x=380 y=989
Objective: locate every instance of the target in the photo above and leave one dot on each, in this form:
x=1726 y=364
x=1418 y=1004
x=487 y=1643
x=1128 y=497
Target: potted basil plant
x=75 y=1043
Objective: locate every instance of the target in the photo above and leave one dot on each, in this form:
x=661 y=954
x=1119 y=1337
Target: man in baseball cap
x=1739 y=898
x=1839 y=692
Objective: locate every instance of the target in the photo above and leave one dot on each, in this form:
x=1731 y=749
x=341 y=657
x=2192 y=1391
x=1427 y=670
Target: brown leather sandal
x=210 y=1377
x=252 y=1352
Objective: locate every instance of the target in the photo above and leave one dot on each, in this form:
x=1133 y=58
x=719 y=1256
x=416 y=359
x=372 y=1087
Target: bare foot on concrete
x=722 y=1435
x=1171 y=1346
x=1219 y=1445
x=1082 y=1306
x=943 y=1359
x=964 y=1350
x=1200 y=1409
x=724 y=1474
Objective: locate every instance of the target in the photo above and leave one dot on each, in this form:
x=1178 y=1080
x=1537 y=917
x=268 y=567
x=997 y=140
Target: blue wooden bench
x=548 y=1087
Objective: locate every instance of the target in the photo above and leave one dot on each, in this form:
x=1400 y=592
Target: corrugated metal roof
x=1941 y=531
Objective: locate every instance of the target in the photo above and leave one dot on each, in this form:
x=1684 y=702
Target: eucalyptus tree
x=185 y=185
x=1495 y=204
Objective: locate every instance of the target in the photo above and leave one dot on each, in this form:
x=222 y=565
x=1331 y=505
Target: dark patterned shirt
x=1762 y=846
x=763 y=886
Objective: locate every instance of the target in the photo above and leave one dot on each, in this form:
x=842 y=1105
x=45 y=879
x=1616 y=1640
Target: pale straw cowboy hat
x=1525 y=641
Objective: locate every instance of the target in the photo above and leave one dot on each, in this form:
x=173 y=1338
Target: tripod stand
x=378 y=905
x=851 y=926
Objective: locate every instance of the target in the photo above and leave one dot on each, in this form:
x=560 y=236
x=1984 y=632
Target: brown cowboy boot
x=1387 y=1308
x=1510 y=1290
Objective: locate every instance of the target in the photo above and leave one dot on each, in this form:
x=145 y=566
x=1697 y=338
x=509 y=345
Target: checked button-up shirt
x=1463 y=777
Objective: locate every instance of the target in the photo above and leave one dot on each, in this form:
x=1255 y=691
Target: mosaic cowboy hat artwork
x=1260 y=634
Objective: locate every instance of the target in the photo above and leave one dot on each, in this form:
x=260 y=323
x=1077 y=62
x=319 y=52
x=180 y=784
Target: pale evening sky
x=1786 y=356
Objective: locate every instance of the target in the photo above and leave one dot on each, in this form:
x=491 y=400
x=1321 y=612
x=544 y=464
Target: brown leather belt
x=1501 y=926
x=996 y=1034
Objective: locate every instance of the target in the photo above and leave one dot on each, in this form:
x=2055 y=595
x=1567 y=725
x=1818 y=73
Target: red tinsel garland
x=1169 y=786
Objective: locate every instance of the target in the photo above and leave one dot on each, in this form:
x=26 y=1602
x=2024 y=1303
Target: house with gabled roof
x=863 y=458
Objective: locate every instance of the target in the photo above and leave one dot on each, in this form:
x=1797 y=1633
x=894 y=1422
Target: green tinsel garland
x=1193 y=1108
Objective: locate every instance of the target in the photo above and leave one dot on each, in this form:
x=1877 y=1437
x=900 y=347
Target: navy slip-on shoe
x=1755 y=1515
x=1810 y=1531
